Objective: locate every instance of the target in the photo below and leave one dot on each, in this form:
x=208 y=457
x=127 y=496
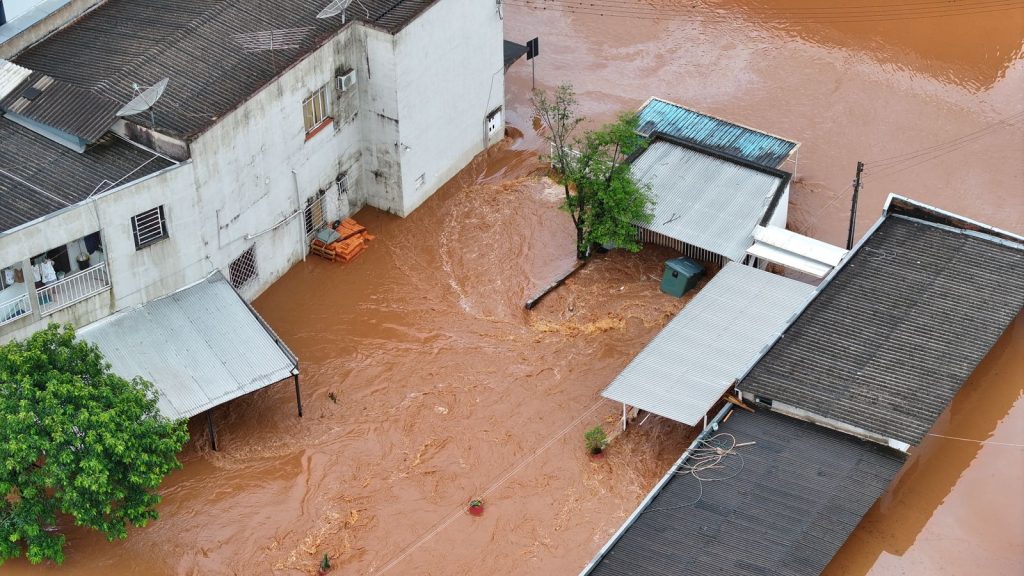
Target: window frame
x=312 y=118
x=149 y=240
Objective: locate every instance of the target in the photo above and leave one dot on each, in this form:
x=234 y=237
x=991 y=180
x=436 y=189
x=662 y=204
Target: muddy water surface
x=426 y=384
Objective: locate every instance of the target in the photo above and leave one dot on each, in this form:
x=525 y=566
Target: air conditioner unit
x=346 y=81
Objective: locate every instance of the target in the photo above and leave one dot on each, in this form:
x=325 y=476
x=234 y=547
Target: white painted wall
x=450 y=70
x=136 y=276
x=255 y=168
x=781 y=214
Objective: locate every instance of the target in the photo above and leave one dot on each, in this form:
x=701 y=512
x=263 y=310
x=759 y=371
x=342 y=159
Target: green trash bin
x=681 y=274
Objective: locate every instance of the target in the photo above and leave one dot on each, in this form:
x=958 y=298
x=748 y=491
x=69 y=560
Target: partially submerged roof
x=707 y=131
x=39 y=176
x=899 y=327
x=201 y=347
x=799 y=492
x=707 y=200
x=193 y=42
x=687 y=367
x=795 y=251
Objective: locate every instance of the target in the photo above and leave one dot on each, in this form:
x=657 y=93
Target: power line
x=968 y=138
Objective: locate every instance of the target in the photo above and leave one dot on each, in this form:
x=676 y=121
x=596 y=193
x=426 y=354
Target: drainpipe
x=302 y=221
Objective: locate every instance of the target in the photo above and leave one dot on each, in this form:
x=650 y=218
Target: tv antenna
x=339 y=7
x=144 y=100
x=272 y=41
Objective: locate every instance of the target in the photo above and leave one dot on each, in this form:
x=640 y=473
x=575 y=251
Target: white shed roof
x=703 y=200
x=712 y=342
x=795 y=250
x=201 y=346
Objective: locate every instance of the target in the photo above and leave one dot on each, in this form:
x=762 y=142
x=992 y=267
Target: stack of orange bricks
x=354 y=239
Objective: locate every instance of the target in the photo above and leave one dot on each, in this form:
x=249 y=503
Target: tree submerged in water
x=76 y=441
x=601 y=195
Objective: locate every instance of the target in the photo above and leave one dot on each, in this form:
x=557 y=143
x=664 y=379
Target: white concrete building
x=273 y=121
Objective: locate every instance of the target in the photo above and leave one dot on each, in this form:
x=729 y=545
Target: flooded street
x=426 y=384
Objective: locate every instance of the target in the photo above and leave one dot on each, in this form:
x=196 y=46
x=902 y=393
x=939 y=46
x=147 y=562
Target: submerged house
x=843 y=388
x=147 y=148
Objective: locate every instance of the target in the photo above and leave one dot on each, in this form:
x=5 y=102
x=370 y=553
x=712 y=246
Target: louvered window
x=149 y=227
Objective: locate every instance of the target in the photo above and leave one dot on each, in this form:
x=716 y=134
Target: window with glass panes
x=315 y=109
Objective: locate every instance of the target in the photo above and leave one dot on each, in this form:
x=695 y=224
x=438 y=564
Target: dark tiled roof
x=39 y=176
x=193 y=43
x=801 y=491
x=74 y=110
x=889 y=341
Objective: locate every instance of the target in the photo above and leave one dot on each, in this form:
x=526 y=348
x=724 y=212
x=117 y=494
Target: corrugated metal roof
x=73 y=110
x=703 y=200
x=710 y=132
x=11 y=75
x=801 y=491
x=795 y=250
x=712 y=342
x=893 y=334
x=200 y=347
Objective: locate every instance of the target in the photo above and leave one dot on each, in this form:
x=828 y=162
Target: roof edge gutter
x=711 y=427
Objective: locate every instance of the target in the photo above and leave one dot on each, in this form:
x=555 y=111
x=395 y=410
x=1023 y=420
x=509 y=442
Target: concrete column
x=30 y=288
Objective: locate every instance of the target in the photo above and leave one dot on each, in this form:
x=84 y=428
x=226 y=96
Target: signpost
x=532 y=51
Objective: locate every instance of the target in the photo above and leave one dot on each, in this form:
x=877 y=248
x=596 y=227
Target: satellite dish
x=145 y=100
x=339 y=7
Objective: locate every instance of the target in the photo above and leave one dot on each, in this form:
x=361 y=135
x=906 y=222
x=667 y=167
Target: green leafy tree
x=75 y=440
x=601 y=195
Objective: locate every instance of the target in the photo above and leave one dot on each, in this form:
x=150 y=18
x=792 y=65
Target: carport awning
x=201 y=347
x=795 y=251
x=684 y=371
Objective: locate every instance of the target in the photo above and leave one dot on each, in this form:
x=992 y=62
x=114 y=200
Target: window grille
x=243 y=269
x=149 y=227
x=313 y=218
x=316 y=109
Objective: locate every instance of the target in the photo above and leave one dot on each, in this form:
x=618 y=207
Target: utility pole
x=853 y=208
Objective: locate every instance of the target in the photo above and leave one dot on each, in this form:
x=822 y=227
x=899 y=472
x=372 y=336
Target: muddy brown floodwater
x=447 y=390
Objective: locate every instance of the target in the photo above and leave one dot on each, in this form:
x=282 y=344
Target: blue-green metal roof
x=714 y=133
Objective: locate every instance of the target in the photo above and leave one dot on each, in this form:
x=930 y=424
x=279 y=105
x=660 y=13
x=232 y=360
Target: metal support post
x=213 y=432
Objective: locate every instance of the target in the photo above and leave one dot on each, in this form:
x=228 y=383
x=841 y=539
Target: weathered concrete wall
x=382 y=174
x=15 y=36
x=450 y=70
x=256 y=167
x=136 y=276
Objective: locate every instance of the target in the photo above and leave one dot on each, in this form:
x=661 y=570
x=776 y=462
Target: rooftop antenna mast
x=272 y=41
x=339 y=7
x=144 y=100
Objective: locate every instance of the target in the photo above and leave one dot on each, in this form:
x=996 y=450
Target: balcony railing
x=13 y=308
x=73 y=288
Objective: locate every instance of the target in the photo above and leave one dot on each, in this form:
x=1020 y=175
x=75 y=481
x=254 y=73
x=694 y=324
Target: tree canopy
x=75 y=440
x=601 y=195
